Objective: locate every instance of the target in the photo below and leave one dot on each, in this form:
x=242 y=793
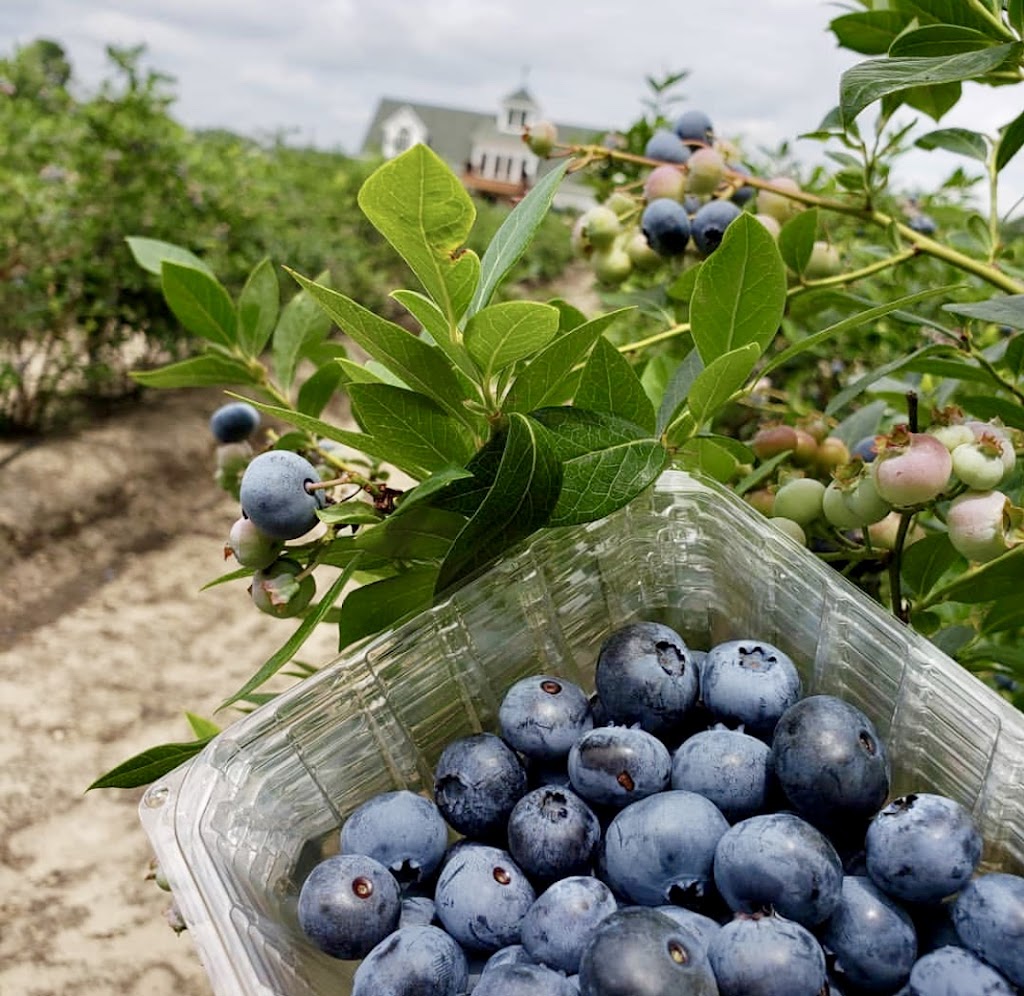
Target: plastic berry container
x=237 y=828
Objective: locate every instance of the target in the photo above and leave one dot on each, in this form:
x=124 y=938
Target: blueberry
x=277 y=591
x=413 y=961
x=478 y=781
x=234 y=422
x=274 y=495
x=552 y=833
x=710 y=222
x=934 y=926
x=543 y=775
x=955 y=972
x=417 y=911
x=523 y=980
x=730 y=768
x=640 y=952
x=558 y=925
x=660 y=849
x=348 y=904
x=865 y=448
x=830 y=761
x=766 y=955
x=871 y=939
x=645 y=675
x=666 y=226
x=744 y=193
x=749 y=683
x=694 y=127
x=482 y=896
x=781 y=861
x=667 y=147
x=513 y=954
x=402 y=830
x=543 y=716
x=922 y=848
x=702 y=927
x=692 y=203
x=615 y=765
x=251 y=547
x=989 y=918
x=922 y=223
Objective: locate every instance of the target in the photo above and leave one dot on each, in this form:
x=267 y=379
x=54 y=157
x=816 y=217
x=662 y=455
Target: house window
x=483 y=164
x=499 y=165
x=516 y=119
x=402 y=140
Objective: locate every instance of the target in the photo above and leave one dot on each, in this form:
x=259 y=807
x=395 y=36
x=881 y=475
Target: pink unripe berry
x=770 y=223
x=705 y=170
x=251 y=547
x=912 y=468
x=770 y=440
x=980 y=524
x=762 y=499
x=665 y=181
x=777 y=205
x=832 y=452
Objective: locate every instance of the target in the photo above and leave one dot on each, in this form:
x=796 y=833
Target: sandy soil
x=106 y=537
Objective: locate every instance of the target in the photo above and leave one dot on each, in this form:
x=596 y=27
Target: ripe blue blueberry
x=660 y=849
x=413 y=961
x=830 y=761
x=417 y=911
x=922 y=223
x=730 y=768
x=749 y=683
x=694 y=127
x=710 y=222
x=666 y=226
x=871 y=939
x=234 y=422
x=779 y=860
x=744 y=193
x=666 y=146
x=645 y=675
x=543 y=716
x=616 y=765
x=514 y=954
x=558 y=925
x=478 y=781
x=402 y=830
x=523 y=980
x=865 y=448
x=273 y=494
x=552 y=833
x=702 y=927
x=922 y=848
x=989 y=917
x=953 y=971
x=766 y=955
x=348 y=905
x=640 y=952
x=482 y=896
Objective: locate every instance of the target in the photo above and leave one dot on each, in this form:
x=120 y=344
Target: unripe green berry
x=600 y=226
x=800 y=500
x=276 y=591
x=611 y=266
x=791 y=528
x=770 y=223
x=622 y=204
x=979 y=464
x=832 y=452
x=251 y=547
x=705 y=170
x=824 y=261
x=542 y=138
x=953 y=435
x=777 y=205
x=642 y=255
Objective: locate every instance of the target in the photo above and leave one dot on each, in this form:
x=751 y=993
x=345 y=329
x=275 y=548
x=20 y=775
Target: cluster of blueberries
x=695 y=828
x=689 y=200
x=279 y=502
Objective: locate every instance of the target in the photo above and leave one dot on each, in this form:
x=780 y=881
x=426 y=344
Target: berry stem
x=900 y=608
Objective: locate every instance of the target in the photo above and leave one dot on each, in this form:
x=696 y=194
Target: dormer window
x=516 y=119
x=403 y=139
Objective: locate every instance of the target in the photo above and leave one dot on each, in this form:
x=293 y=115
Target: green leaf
x=356 y=373
x=708 y=457
x=1011 y=412
x=952 y=369
x=543 y=380
x=1010 y=656
x=869 y=81
x=1005 y=614
x=656 y=374
x=761 y=472
x=847 y=324
x=569 y=316
x=998 y=310
x=1013 y=358
x=504 y=333
x=206 y=370
x=420 y=533
x=377 y=606
x=869 y=32
x=935 y=101
x=606 y=462
x=951 y=12
x=520 y=501
x=425 y=490
x=1011 y=138
x=609 y=384
x=412 y=424
x=796 y=240
x=421 y=366
x=204 y=729
x=682 y=288
x=437 y=328
x=287 y=651
x=999 y=578
x=236 y=575
x=741 y=291
x=938 y=40
x=421 y=207
x=302 y=322
x=678 y=389
x=851 y=391
x=199 y=302
x=466 y=495
x=719 y=380
x=926 y=561
x=514 y=236
x=319 y=388
x=958 y=140
x=149 y=765
x=258 y=308
x=151 y=253
x=349 y=513
x=1015 y=11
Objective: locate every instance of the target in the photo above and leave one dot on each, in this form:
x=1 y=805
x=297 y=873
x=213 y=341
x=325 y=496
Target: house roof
x=521 y=95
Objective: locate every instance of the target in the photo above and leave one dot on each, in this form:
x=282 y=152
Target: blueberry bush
x=844 y=356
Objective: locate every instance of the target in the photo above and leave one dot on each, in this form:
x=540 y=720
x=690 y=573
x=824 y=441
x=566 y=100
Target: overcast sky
x=763 y=70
